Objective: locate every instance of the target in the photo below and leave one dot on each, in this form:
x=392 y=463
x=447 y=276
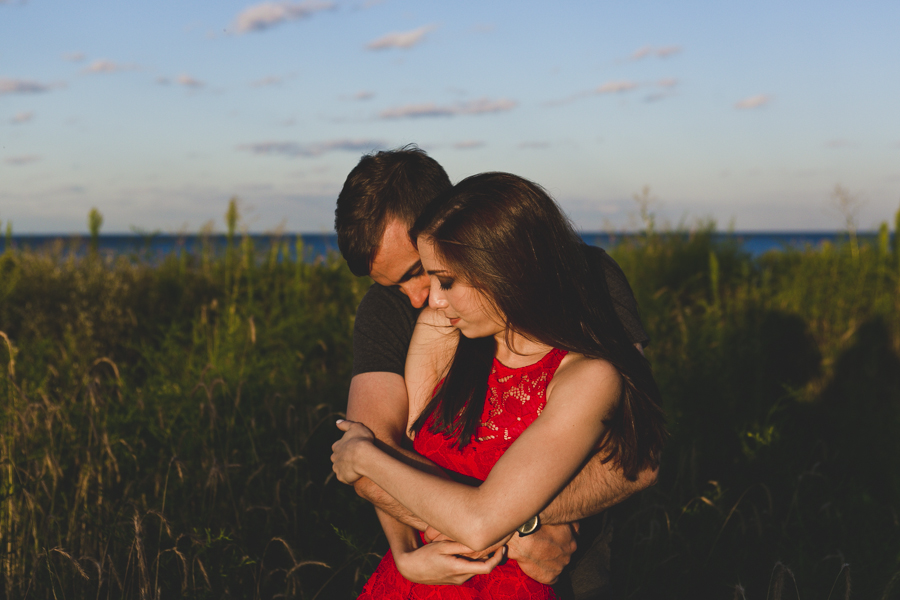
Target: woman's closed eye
x=446 y=284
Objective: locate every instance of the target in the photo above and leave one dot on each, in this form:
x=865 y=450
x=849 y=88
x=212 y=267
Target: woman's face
x=464 y=306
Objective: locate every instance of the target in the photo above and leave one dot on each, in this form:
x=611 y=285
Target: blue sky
x=156 y=113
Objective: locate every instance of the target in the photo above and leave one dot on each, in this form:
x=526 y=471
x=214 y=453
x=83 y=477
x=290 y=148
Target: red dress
x=515 y=398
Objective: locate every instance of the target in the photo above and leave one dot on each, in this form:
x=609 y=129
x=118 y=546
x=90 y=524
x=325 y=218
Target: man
x=381 y=198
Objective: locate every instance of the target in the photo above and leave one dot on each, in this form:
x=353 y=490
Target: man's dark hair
x=392 y=184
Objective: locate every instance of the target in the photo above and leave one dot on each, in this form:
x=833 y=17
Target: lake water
x=316 y=245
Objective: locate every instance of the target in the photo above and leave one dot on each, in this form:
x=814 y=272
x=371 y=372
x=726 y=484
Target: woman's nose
x=436 y=298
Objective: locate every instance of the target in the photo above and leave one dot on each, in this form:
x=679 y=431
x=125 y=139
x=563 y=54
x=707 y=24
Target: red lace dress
x=514 y=400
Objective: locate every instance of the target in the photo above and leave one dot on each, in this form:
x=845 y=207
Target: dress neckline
x=541 y=363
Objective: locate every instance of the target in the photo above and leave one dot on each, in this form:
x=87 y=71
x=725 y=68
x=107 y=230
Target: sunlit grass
x=166 y=424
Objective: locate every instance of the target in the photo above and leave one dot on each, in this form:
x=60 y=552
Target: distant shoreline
x=317 y=245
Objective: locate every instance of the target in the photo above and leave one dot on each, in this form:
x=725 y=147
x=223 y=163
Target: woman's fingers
x=342 y=450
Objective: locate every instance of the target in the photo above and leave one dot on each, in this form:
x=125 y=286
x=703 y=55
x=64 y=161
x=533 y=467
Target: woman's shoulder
x=588 y=376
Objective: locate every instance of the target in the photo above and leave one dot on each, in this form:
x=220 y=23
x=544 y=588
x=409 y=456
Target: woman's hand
x=433 y=535
x=345 y=451
x=439 y=563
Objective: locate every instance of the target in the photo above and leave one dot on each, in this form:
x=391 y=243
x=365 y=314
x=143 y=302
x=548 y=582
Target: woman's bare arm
x=531 y=473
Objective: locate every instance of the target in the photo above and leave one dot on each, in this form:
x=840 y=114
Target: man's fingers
x=495 y=560
x=431 y=534
x=344 y=425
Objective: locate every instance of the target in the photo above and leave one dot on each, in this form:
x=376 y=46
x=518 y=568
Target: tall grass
x=166 y=425
x=781 y=377
x=162 y=426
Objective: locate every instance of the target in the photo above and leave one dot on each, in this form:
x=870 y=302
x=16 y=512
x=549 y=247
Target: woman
x=517 y=374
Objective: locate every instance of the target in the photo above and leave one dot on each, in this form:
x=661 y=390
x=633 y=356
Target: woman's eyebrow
x=438 y=272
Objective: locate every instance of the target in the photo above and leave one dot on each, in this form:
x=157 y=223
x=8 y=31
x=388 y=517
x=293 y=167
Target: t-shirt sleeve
x=381 y=333
x=622 y=296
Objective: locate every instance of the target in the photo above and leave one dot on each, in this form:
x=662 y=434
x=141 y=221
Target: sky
x=156 y=113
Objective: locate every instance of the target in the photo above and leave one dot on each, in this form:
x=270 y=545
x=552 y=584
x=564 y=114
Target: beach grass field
x=165 y=425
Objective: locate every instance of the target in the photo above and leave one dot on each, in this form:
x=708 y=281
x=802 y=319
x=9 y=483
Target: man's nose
x=417 y=291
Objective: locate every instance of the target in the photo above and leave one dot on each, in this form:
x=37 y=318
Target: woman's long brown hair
x=505 y=236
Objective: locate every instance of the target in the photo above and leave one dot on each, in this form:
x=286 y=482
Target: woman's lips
x=454 y=321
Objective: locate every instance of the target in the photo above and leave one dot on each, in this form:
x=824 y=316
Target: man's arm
x=595 y=488
x=379 y=400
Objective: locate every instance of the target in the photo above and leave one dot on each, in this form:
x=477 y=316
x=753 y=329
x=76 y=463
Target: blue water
x=319 y=245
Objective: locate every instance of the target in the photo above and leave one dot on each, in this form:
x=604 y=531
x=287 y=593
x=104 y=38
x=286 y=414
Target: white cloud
x=400 y=39
x=468 y=145
x=74 y=56
x=667 y=51
x=188 y=81
x=22 y=86
x=616 y=87
x=661 y=52
x=19 y=161
x=313 y=150
x=363 y=95
x=757 y=101
x=269 y=14
x=22 y=117
x=271 y=80
x=642 y=52
x=475 y=107
x=107 y=66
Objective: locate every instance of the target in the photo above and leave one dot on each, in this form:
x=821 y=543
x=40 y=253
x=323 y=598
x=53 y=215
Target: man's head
x=381 y=199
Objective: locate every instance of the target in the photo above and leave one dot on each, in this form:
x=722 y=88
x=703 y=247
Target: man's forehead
x=396 y=255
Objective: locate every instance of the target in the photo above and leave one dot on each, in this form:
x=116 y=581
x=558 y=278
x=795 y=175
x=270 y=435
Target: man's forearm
x=597 y=487
x=368 y=489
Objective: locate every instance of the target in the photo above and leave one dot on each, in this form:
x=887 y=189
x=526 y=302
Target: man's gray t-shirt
x=384 y=326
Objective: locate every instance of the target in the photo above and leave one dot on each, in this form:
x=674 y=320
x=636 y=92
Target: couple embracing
x=500 y=396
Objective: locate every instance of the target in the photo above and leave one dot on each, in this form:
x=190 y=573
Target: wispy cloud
x=107 y=66
x=363 y=95
x=312 y=150
x=468 y=145
x=22 y=117
x=188 y=81
x=475 y=107
x=660 y=52
x=269 y=14
x=400 y=39
x=18 y=161
x=22 y=86
x=266 y=81
x=757 y=101
x=74 y=56
x=668 y=86
x=616 y=87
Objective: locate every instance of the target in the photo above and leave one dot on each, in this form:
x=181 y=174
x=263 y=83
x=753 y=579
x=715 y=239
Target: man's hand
x=544 y=554
x=440 y=563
